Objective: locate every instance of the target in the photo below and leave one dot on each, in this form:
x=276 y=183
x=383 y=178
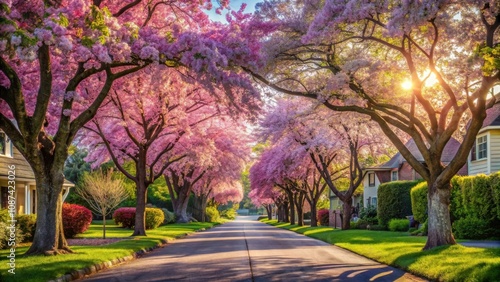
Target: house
x=25 y=186
x=484 y=157
x=397 y=168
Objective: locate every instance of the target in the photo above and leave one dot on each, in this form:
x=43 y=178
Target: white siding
x=478 y=167
x=369 y=192
x=494 y=153
x=481 y=166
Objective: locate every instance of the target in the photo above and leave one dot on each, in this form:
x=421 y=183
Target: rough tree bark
x=439 y=225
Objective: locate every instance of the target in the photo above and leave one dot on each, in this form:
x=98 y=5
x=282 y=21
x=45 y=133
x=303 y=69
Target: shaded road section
x=248 y=250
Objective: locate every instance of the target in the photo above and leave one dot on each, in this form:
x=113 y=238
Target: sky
x=235 y=5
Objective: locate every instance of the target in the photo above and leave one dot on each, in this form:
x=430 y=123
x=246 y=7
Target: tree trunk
x=200 y=205
x=140 y=210
x=347 y=212
x=286 y=216
x=104 y=224
x=299 y=205
x=439 y=223
x=292 y=208
x=314 y=214
x=49 y=236
x=180 y=206
x=269 y=210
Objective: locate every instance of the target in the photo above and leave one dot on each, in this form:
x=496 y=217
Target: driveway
x=248 y=250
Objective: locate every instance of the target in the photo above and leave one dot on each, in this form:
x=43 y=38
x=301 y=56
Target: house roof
x=23 y=170
x=492 y=116
x=449 y=152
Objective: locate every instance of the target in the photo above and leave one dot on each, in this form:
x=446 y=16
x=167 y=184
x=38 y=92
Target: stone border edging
x=95 y=268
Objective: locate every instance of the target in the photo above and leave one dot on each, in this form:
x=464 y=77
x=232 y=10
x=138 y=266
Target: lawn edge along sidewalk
x=95 y=268
x=417 y=275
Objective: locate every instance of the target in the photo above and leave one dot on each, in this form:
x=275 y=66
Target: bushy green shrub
x=323 y=217
x=6 y=234
x=471 y=228
x=376 y=227
x=394 y=200
x=4 y=215
x=212 y=214
x=169 y=216
x=368 y=212
x=229 y=214
x=27 y=224
x=399 y=225
x=154 y=217
x=419 y=202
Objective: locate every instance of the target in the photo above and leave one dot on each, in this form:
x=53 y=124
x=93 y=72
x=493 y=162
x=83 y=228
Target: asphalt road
x=247 y=250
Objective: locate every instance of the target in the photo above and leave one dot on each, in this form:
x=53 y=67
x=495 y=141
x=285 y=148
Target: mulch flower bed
x=92 y=241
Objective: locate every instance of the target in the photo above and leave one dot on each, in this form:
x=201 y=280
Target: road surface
x=248 y=250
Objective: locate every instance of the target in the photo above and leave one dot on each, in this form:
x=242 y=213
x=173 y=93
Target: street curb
x=95 y=268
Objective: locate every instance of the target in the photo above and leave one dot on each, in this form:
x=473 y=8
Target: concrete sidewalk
x=481 y=244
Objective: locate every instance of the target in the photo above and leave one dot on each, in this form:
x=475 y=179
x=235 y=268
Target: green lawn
x=448 y=263
x=43 y=268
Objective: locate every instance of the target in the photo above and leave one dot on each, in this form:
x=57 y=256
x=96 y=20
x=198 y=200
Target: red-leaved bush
x=323 y=217
x=76 y=219
x=125 y=217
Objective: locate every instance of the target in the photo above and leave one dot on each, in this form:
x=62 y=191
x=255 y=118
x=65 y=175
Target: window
x=374 y=201
x=482 y=147
x=371 y=179
x=5 y=145
x=394 y=175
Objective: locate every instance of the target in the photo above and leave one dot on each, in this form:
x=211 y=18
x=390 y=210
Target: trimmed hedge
x=76 y=219
x=419 y=202
x=323 y=217
x=474 y=205
x=394 y=200
x=399 y=225
x=126 y=217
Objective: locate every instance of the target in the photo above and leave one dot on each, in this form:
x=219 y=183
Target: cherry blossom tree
x=143 y=122
x=320 y=150
x=408 y=65
x=215 y=157
x=60 y=60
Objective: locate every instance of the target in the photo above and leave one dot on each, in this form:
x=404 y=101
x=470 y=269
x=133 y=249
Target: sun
x=407 y=85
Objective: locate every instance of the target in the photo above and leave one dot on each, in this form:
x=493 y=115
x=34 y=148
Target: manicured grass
x=447 y=263
x=43 y=268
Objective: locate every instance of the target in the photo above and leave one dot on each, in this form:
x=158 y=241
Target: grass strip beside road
x=44 y=268
x=399 y=249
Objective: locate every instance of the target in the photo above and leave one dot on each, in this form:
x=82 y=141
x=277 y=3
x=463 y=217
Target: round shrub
x=471 y=228
x=27 y=224
x=394 y=200
x=419 y=202
x=323 y=217
x=399 y=225
x=212 y=214
x=76 y=219
x=125 y=217
x=169 y=216
x=154 y=217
